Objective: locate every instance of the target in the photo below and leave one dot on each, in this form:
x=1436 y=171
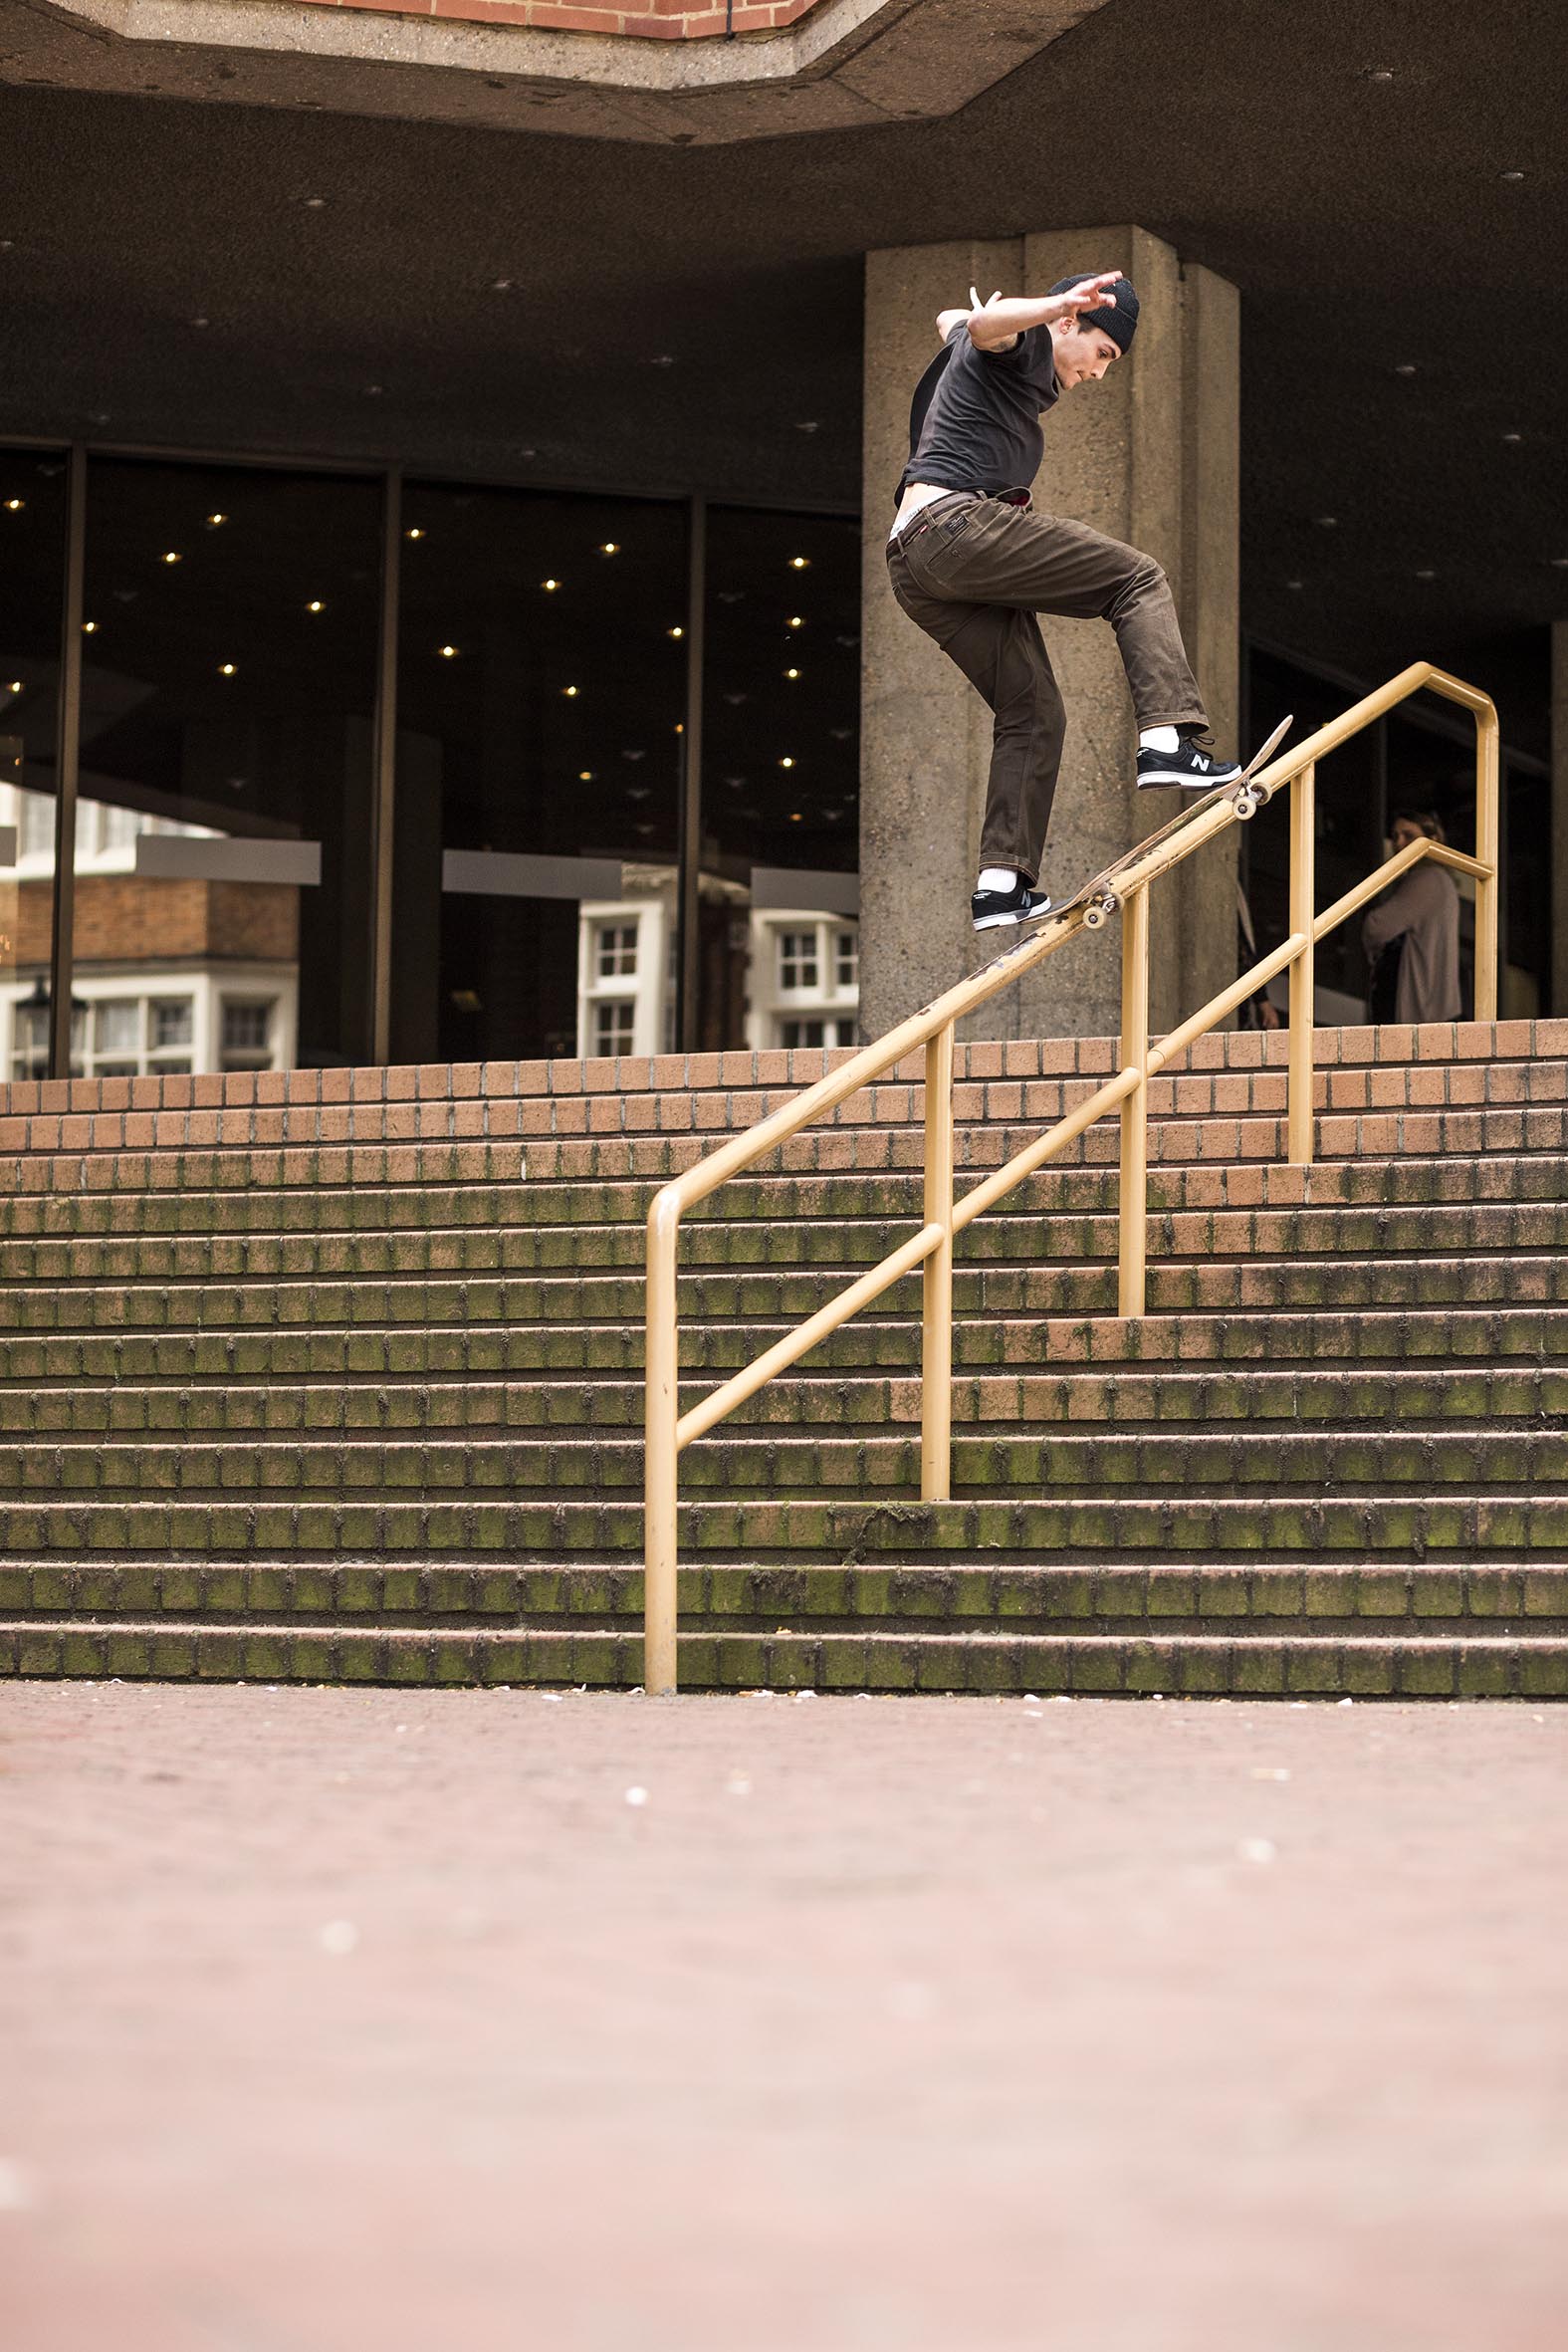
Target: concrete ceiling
x=847 y=62
x=511 y=296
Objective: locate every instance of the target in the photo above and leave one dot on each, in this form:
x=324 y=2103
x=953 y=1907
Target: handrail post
x=1301 y=1125
x=1133 y=1197
x=661 y=1458
x=1487 y=836
x=936 y=1339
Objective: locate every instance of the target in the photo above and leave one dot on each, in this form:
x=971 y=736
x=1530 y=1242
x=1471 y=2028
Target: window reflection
x=32 y=586
x=779 y=892
x=542 y=687
x=222 y=894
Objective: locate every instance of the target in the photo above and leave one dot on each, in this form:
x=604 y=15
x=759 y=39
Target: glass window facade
x=32 y=593
x=246 y=743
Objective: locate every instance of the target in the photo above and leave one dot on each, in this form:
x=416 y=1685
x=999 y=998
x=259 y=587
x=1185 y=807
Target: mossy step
x=1357 y=1597
x=374 y=1207
x=994 y=1466
x=852 y=1532
x=781 y=1244
x=1130 y=1401
x=871 y=1342
x=1056 y=1290
x=1409 y=1665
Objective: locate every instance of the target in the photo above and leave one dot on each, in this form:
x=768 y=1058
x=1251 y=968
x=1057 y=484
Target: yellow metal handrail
x=669 y=1430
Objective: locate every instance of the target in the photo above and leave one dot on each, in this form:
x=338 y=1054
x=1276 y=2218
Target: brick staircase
x=336 y=1378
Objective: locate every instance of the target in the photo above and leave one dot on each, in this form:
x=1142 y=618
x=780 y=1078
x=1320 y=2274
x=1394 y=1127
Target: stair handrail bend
x=668 y=1431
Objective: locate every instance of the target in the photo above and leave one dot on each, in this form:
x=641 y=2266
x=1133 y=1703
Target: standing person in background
x=1419 y=920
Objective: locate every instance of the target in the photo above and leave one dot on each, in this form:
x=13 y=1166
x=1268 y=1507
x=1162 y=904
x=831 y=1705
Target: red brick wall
x=123 y=918
x=663 y=20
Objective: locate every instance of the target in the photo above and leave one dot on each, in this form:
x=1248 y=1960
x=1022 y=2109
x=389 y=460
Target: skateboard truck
x=1103 y=903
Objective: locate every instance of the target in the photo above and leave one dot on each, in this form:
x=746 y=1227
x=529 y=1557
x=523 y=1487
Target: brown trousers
x=973 y=572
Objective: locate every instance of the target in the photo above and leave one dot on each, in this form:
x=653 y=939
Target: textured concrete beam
x=848 y=63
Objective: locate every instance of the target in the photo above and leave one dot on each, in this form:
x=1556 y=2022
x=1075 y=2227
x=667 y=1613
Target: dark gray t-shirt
x=975 y=423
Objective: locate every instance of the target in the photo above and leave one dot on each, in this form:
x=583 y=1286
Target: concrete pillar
x=1559 y=821
x=1149 y=456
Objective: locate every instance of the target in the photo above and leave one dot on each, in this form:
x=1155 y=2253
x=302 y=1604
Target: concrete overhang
x=848 y=64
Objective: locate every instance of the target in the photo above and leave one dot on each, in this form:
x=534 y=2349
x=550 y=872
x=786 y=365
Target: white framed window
x=798 y=961
x=617 y=951
x=614 y=1026
x=846 y=959
x=245 y=1033
x=811 y=1032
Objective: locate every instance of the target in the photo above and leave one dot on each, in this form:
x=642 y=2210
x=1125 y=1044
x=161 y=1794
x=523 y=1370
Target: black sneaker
x=1196 y=770
x=1022 y=904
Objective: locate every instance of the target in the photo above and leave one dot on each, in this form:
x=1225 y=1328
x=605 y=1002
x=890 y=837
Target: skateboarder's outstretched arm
x=996 y=323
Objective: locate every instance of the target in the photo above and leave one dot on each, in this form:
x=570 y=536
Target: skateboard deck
x=1100 y=896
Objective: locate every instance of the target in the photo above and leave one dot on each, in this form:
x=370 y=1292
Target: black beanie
x=1120 y=321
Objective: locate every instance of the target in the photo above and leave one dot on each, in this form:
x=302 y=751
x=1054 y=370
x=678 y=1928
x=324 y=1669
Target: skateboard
x=1100 y=897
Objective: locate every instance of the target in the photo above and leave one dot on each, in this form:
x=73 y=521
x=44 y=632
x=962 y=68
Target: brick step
x=825 y=1149
x=1071 y=1595
x=856 y=1534
x=1134 y=1403
x=1324 y=1341
x=1002 y=1239
x=1387 y=1088
x=376 y=1208
x=1207 y=1665
x=614 y=1301
x=1175 y=1142
x=1003 y=1464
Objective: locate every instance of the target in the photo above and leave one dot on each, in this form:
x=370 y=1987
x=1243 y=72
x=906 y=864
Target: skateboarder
x=971 y=565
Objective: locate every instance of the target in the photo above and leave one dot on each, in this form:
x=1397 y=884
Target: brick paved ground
x=380 y=2022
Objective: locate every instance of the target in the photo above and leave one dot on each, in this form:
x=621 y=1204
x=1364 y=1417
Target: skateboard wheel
x=1244 y=804
x=1093 y=916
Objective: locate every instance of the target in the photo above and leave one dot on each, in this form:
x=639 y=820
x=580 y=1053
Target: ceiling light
x=1293 y=584
x=792 y=673
x=1378 y=73
x=500 y=285
x=14 y=505
x=172 y=557
x=415 y=532
x=315 y=606
x=1406 y=368
x=89 y=628
x=550 y=585
x=15 y=686
x=787 y=763
x=571 y=692
x=806 y=425
x=1560 y=563
x=225 y=669
x=675 y=632
x=1426 y=574
x=680 y=727
x=610 y=546
x=1510 y=175
x=314 y=203
x=1328 y=521
x=796 y=621
x=665 y=359
x=374 y=389
x=200 y=322
x=584 y=776
x=215 y=522
x=794 y=816
x=800 y=562
x=1513 y=436
x=448 y=652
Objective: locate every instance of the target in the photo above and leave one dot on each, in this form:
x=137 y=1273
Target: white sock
x=997 y=877
x=1158 y=739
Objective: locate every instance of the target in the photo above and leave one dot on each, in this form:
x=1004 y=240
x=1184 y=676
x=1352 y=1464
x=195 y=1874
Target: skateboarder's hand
x=1087 y=295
